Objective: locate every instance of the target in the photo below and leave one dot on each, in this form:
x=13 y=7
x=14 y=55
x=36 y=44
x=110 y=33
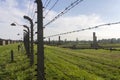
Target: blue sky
x=86 y=14
x=106 y=8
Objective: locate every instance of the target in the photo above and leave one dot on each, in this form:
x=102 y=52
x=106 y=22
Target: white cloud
x=10 y=12
x=70 y=23
x=9 y=3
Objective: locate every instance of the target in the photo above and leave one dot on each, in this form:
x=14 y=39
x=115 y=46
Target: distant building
x=8 y=41
x=2 y=42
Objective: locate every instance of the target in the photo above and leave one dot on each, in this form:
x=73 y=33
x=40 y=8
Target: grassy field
x=62 y=64
x=82 y=64
x=88 y=45
x=19 y=69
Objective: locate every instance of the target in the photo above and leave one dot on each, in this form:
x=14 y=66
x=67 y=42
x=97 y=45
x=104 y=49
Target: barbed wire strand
x=33 y=11
x=29 y=6
x=47 y=4
x=64 y=11
x=51 y=8
x=89 y=28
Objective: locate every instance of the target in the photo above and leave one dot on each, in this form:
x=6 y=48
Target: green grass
x=62 y=64
x=84 y=64
x=88 y=45
x=19 y=69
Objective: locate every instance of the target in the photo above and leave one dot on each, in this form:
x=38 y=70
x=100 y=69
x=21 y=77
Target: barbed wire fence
x=46 y=4
x=89 y=28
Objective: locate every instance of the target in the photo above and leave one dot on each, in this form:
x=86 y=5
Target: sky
x=88 y=13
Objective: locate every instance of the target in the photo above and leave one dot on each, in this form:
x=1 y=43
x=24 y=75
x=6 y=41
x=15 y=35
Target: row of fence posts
x=28 y=48
x=26 y=42
x=94 y=44
x=26 y=45
x=28 y=39
x=49 y=42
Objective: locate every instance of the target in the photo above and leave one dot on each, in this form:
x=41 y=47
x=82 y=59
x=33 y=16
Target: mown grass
x=19 y=69
x=84 y=64
x=62 y=64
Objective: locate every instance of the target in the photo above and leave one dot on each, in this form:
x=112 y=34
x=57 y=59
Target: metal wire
x=33 y=12
x=89 y=28
x=45 y=2
x=51 y=8
x=29 y=5
x=45 y=6
x=64 y=11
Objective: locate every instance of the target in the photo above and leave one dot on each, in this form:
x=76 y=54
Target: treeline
x=84 y=44
x=109 y=41
x=112 y=40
